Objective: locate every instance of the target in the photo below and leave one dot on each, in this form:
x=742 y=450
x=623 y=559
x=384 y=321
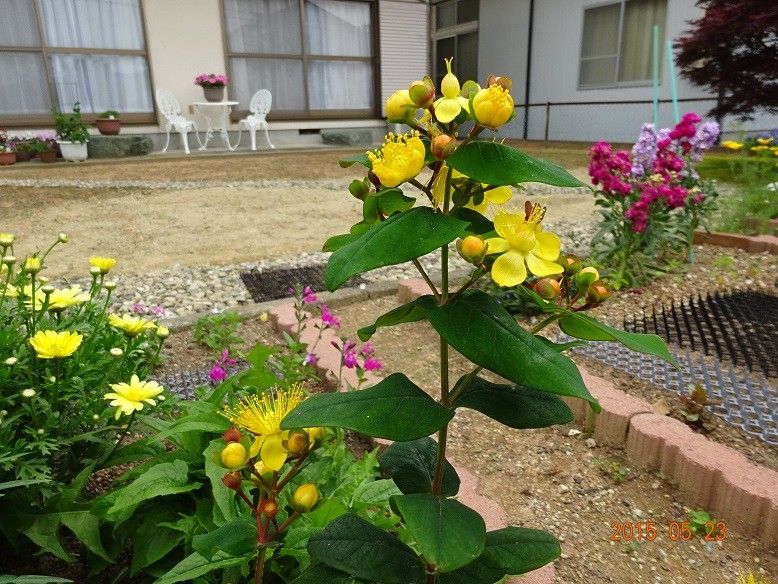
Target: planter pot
x=214 y=93
x=7 y=158
x=48 y=156
x=73 y=151
x=23 y=156
x=108 y=126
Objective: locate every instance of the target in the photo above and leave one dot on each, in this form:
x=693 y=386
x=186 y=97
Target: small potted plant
x=7 y=154
x=213 y=85
x=45 y=145
x=72 y=134
x=109 y=123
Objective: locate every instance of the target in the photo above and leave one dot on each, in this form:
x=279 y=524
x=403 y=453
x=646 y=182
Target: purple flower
x=158 y=310
x=140 y=308
x=328 y=318
x=226 y=360
x=308 y=296
x=217 y=373
x=350 y=360
x=372 y=364
x=311 y=359
x=644 y=151
x=367 y=349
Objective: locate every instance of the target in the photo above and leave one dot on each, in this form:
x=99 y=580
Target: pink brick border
x=749 y=243
x=283 y=319
x=709 y=475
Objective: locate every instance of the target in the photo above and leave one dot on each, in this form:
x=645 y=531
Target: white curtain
x=283 y=77
x=18 y=26
x=640 y=17
x=23 y=90
x=93 y=24
x=340 y=85
x=599 y=45
x=102 y=82
x=336 y=27
x=263 y=26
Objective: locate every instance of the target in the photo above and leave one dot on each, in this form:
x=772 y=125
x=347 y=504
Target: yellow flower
x=33 y=265
x=399 y=106
x=492 y=107
x=764 y=141
x=400 y=159
x=163 y=332
x=304 y=498
x=234 y=455
x=7 y=239
x=54 y=345
x=131 y=325
x=732 y=145
x=8 y=290
x=496 y=196
x=103 y=264
x=523 y=245
x=58 y=299
x=262 y=417
x=451 y=104
x=130 y=397
x=758 y=148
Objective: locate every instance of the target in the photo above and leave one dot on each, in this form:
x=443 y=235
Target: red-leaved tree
x=733 y=51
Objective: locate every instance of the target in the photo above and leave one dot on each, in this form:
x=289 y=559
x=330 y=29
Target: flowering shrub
x=211 y=80
x=463 y=184
x=652 y=198
x=70 y=374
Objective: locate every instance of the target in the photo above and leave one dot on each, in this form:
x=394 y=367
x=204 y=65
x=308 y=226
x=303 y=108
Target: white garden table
x=217 y=116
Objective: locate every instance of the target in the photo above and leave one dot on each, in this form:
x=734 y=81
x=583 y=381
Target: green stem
x=427 y=279
x=544 y=323
x=126 y=432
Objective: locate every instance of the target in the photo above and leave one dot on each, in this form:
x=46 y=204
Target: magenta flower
x=308 y=296
x=328 y=318
x=367 y=349
x=372 y=364
x=158 y=310
x=226 y=360
x=217 y=373
x=139 y=308
x=350 y=360
x=311 y=359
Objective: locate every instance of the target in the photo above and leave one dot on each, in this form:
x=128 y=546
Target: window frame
x=24 y=120
x=616 y=84
x=454 y=31
x=312 y=114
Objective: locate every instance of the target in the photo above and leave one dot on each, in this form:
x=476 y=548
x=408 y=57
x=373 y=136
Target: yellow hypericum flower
x=262 y=417
x=496 y=196
x=449 y=106
x=732 y=145
x=8 y=290
x=131 y=325
x=103 y=264
x=54 y=345
x=130 y=397
x=234 y=455
x=493 y=106
x=399 y=106
x=764 y=141
x=32 y=265
x=400 y=159
x=523 y=245
x=7 y=239
x=304 y=498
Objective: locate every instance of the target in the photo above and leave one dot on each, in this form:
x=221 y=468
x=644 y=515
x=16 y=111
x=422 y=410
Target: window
x=456 y=35
x=316 y=57
x=56 y=52
x=617 y=44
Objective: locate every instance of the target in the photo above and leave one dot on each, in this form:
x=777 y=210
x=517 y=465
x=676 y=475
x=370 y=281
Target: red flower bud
x=547 y=288
x=269 y=509
x=232 y=480
x=231 y=435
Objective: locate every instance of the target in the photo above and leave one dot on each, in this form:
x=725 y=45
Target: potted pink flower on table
x=213 y=85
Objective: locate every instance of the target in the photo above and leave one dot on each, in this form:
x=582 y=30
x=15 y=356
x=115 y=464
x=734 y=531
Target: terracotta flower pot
x=7 y=158
x=23 y=156
x=48 y=156
x=214 y=93
x=108 y=126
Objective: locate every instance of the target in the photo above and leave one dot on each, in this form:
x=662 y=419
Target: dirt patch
x=549 y=480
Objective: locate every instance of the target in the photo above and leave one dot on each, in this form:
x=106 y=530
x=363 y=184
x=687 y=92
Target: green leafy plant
x=218 y=331
x=699 y=522
x=613 y=469
x=69 y=127
x=439 y=539
x=109 y=114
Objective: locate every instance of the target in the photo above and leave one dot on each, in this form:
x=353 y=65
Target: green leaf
x=561 y=347
x=583 y=326
x=323 y=574
x=360 y=158
x=237 y=538
x=411 y=312
x=395 y=409
x=153 y=540
x=401 y=238
x=44 y=532
x=222 y=496
x=208 y=422
x=86 y=528
x=498 y=164
x=478 y=224
x=370 y=493
x=194 y=566
x=352 y=545
x=515 y=406
x=335 y=242
x=33 y=580
x=447 y=533
x=509 y=551
x=326 y=512
x=22 y=483
x=385 y=203
x=412 y=467
x=258 y=375
x=495 y=341
x=163 y=479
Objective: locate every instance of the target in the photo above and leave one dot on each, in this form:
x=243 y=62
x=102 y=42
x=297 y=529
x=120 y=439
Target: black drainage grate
x=741 y=328
x=275 y=283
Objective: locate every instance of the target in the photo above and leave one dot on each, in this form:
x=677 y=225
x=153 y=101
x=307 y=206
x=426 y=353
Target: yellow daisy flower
x=8 y=290
x=54 y=345
x=58 y=300
x=130 y=397
x=452 y=103
x=732 y=145
x=262 y=417
x=764 y=141
x=400 y=159
x=523 y=246
x=497 y=196
x=7 y=239
x=104 y=264
x=131 y=325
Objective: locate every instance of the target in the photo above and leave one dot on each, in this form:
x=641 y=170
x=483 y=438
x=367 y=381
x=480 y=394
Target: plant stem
x=118 y=441
x=427 y=279
x=545 y=322
x=259 y=570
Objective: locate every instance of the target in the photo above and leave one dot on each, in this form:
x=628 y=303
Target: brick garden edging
x=707 y=474
x=749 y=243
x=282 y=316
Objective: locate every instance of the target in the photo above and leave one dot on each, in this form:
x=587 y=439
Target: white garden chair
x=170 y=108
x=259 y=108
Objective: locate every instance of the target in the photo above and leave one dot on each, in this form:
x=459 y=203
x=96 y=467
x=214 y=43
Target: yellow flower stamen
x=400 y=159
